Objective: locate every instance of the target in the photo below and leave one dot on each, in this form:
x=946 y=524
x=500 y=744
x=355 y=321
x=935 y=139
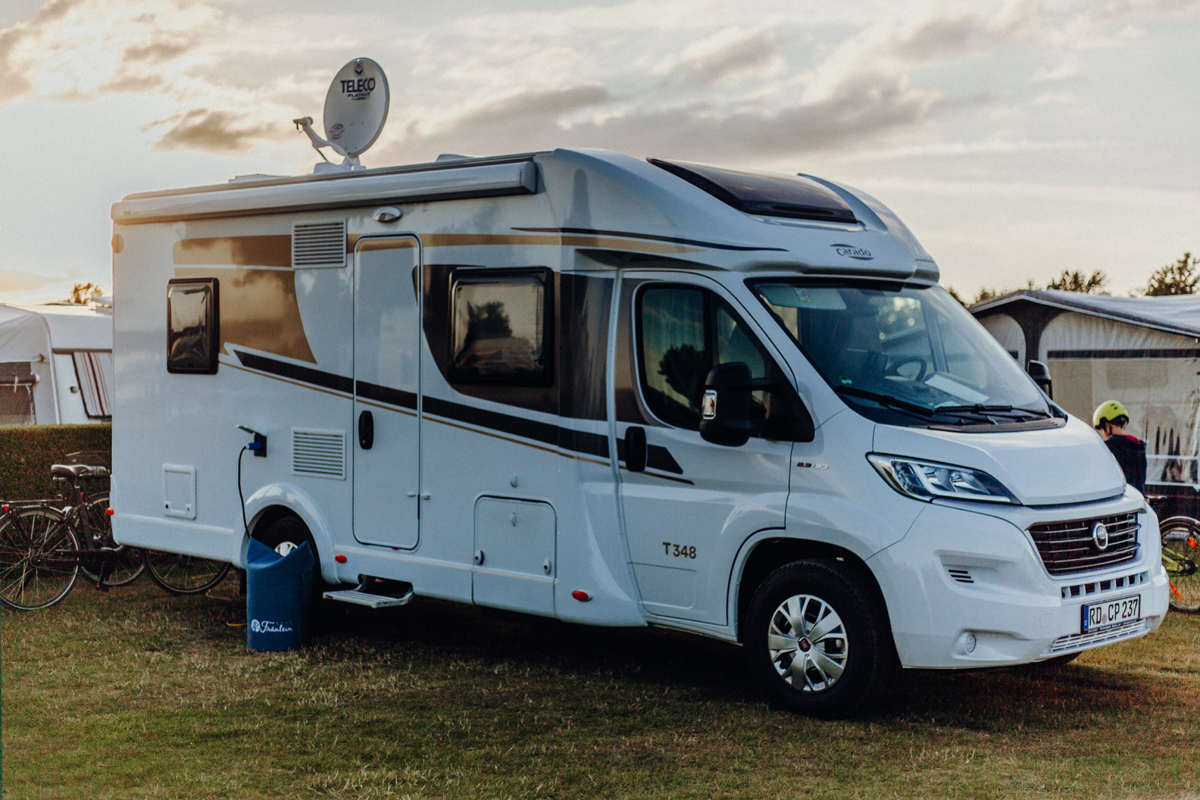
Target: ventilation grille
x=1078 y=641
x=960 y=574
x=319 y=454
x=320 y=244
x=1067 y=547
x=1112 y=584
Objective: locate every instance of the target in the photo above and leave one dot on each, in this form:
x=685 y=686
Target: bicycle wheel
x=38 y=559
x=95 y=531
x=180 y=574
x=1180 y=556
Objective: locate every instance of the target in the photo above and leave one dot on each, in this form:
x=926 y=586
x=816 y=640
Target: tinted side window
x=683 y=333
x=193 y=326
x=499 y=328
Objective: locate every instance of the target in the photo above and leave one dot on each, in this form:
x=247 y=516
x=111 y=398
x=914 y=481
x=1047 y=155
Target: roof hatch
x=763 y=193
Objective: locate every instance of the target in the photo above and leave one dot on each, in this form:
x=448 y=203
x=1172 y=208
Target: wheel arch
x=270 y=504
x=770 y=550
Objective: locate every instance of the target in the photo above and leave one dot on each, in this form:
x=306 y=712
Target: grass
x=134 y=694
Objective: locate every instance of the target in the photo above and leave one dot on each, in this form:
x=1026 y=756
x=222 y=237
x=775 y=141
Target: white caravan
x=56 y=364
x=617 y=392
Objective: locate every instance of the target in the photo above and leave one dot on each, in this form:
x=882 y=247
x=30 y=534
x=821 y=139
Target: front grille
x=1069 y=547
x=1079 y=641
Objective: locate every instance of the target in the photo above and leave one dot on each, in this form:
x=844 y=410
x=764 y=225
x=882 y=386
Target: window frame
x=770 y=363
x=212 y=326
x=496 y=275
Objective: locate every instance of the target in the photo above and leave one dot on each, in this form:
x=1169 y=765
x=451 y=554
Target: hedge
x=27 y=451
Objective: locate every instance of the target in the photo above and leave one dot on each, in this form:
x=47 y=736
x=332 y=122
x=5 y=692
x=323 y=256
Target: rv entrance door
x=387 y=382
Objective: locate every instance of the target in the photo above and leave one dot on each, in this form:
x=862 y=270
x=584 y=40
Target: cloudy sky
x=1017 y=139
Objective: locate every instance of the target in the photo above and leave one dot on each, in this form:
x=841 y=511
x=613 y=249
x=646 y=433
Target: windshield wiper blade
x=985 y=410
x=886 y=400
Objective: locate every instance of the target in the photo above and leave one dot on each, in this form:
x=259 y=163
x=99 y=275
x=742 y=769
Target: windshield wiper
x=986 y=410
x=886 y=400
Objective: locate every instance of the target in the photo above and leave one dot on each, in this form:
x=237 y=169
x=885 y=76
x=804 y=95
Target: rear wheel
x=127 y=562
x=817 y=642
x=1180 y=557
x=38 y=559
x=180 y=574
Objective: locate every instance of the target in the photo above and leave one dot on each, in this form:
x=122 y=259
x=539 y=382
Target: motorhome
x=619 y=392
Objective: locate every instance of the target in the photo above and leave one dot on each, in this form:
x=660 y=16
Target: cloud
x=212 y=131
x=16 y=60
x=872 y=108
x=719 y=59
x=1056 y=98
x=159 y=51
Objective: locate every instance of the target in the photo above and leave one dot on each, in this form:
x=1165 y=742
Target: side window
x=193 y=326
x=683 y=333
x=499 y=327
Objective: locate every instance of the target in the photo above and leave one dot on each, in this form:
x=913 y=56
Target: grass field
x=134 y=694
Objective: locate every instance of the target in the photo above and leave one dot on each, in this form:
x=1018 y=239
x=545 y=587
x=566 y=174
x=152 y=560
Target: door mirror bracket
x=729 y=416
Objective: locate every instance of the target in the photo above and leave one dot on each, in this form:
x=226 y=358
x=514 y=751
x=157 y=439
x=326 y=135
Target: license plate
x=1097 y=616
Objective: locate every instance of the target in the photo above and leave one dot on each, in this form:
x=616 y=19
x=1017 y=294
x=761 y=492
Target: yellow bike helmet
x=1109 y=411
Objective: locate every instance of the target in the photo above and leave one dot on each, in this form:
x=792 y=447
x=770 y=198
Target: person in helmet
x=1110 y=420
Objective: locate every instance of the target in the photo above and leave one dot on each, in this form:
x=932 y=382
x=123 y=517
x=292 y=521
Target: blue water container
x=278 y=594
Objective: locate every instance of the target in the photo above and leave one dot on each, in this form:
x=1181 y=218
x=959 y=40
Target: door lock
x=478 y=557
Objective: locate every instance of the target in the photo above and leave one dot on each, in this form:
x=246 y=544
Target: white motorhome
x=617 y=392
x=56 y=364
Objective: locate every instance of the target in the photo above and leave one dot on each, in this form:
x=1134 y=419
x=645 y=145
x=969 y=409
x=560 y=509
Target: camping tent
x=1143 y=351
x=55 y=364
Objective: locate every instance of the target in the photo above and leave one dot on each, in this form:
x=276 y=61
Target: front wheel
x=39 y=559
x=1180 y=557
x=817 y=642
x=180 y=574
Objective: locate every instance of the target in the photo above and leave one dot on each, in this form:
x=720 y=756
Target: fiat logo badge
x=1100 y=536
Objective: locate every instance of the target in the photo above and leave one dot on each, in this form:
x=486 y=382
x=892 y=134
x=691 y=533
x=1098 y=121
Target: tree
x=1182 y=277
x=81 y=293
x=1074 y=281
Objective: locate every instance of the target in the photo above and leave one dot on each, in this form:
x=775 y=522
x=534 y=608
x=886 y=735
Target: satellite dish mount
x=356 y=108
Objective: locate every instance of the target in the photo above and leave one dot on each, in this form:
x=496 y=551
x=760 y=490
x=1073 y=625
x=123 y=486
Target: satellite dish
x=356 y=108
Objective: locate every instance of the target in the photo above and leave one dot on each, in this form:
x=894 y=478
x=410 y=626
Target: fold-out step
x=361 y=598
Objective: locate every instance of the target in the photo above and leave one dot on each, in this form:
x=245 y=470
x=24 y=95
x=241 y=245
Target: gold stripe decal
x=258 y=310
x=369 y=245
x=238 y=251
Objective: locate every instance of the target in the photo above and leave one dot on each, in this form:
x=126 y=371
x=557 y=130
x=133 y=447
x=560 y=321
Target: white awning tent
x=55 y=364
x=1142 y=351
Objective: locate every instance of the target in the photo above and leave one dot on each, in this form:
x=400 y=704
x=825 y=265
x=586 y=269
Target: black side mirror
x=728 y=415
x=1041 y=376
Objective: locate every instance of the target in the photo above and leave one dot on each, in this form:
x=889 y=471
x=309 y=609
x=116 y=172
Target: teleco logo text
x=850 y=251
x=358 y=85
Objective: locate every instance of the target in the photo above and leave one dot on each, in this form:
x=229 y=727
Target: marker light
x=341 y=559
x=582 y=597
x=110 y=511
x=924 y=480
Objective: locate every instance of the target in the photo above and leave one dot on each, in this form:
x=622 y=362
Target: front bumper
x=965 y=588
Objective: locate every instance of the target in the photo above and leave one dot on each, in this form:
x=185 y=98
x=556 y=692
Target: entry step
x=361 y=598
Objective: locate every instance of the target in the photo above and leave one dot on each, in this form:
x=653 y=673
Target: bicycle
x=1180 y=554
x=180 y=574
x=44 y=549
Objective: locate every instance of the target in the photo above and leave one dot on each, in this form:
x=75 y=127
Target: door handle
x=635 y=449
x=366 y=430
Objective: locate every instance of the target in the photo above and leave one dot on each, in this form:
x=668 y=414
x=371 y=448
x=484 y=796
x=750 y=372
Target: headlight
x=926 y=480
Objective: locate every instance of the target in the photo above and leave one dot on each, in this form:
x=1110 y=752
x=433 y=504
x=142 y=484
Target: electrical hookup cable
x=245 y=527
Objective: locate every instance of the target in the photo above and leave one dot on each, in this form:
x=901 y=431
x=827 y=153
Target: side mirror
x=1041 y=376
x=729 y=416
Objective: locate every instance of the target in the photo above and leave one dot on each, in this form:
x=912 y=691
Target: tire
x=31 y=576
x=180 y=574
x=841 y=671
x=1180 y=558
x=129 y=561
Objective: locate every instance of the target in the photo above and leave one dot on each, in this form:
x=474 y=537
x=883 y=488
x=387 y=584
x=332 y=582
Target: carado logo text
x=850 y=251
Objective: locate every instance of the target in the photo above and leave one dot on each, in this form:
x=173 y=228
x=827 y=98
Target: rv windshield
x=903 y=354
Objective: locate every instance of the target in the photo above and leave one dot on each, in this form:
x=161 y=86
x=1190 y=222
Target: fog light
x=969 y=643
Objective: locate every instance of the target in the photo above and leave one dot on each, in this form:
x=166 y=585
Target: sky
x=1016 y=138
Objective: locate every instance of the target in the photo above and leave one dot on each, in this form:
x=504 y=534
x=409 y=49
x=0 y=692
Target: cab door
x=387 y=385
x=688 y=504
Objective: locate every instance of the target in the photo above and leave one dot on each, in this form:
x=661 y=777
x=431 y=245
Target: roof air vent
x=319 y=244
